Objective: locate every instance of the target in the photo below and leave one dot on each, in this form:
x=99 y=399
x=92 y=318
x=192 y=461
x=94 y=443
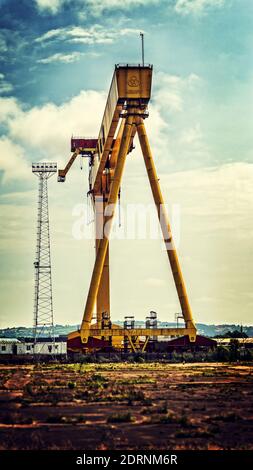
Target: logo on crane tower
x=133 y=81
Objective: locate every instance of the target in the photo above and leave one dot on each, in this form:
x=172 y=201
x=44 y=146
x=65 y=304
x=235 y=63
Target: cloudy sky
x=56 y=63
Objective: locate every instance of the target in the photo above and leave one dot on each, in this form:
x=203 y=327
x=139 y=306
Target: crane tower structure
x=125 y=111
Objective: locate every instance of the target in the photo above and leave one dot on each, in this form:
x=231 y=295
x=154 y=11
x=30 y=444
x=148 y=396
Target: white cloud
x=59 y=33
x=3 y=44
x=196 y=7
x=51 y=6
x=5 y=87
x=51 y=34
x=13 y=163
x=45 y=130
x=59 y=57
x=170 y=90
x=192 y=142
x=219 y=191
x=192 y=135
x=9 y=108
x=215 y=234
x=94 y=6
x=98 y=6
x=48 y=128
x=174 y=125
x=96 y=34
x=154 y=282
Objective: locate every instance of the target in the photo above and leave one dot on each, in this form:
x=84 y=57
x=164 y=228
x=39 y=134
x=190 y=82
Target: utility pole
x=43 y=303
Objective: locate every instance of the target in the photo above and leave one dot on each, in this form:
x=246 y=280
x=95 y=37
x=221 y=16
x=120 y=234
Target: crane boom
x=62 y=173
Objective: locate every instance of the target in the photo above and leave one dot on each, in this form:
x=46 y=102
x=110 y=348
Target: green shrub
x=135 y=395
x=71 y=385
x=29 y=389
x=96 y=381
x=16 y=418
x=120 y=418
x=71 y=419
x=222 y=354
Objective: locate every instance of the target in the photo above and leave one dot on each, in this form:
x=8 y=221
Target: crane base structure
x=124 y=115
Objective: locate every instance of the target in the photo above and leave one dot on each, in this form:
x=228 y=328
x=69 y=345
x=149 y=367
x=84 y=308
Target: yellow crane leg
x=101 y=253
x=103 y=295
x=165 y=225
x=132 y=344
x=145 y=344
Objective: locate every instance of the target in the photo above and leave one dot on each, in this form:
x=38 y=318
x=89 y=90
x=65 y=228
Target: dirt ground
x=126 y=406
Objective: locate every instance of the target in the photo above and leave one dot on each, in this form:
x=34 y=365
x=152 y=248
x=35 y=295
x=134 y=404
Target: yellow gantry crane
x=125 y=111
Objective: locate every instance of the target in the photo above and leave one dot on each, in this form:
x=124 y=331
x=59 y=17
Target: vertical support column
x=101 y=253
x=165 y=225
x=103 y=295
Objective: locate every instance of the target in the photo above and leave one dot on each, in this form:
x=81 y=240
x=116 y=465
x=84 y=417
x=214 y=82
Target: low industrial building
x=9 y=345
x=26 y=346
x=243 y=342
x=182 y=343
x=43 y=347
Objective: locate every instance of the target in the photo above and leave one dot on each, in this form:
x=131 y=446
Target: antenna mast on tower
x=142 y=48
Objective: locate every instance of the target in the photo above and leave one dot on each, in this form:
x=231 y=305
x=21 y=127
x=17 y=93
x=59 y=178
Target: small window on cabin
x=3 y=348
x=28 y=348
x=56 y=346
x=50 y=348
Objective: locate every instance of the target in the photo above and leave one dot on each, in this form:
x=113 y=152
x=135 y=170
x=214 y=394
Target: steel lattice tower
x=43 y=303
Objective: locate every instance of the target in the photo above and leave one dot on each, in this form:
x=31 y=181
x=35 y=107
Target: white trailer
x=9 y=345
x=42 y=347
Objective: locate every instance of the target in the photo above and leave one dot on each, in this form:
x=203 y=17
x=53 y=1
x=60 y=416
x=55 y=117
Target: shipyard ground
x=126 y=406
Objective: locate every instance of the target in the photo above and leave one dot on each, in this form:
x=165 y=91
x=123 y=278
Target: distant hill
x=203 y=329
